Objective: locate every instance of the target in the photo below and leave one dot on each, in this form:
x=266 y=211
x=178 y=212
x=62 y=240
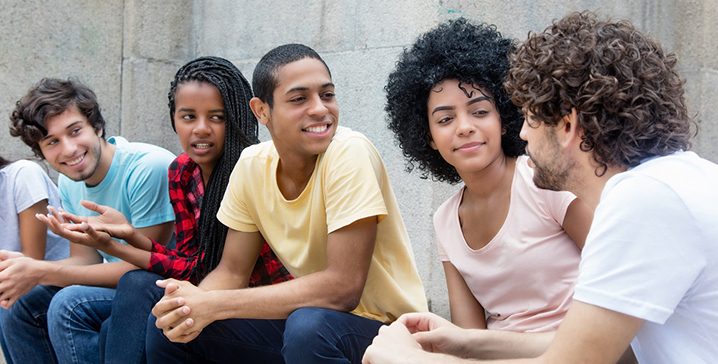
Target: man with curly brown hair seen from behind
x=606 y=119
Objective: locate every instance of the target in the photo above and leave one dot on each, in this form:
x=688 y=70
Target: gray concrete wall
x=128 y=51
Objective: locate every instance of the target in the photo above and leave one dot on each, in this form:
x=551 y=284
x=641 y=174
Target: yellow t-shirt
x=349 y=183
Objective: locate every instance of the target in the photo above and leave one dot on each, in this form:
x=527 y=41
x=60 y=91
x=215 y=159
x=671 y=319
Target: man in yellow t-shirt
x=320 y=196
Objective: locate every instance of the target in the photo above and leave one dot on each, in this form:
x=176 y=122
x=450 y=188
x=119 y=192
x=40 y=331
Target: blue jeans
x=309 y=335
x=76 y=314
x=122 y=337
x=24 y=328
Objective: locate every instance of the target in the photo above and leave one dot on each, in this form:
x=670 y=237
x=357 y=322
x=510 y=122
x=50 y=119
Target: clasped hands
x=178 y=314
x=411 y=339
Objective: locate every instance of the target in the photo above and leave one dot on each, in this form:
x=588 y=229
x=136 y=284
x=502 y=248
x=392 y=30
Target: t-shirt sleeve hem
x=380 y=213
x=624 y=305
x=234 y=225
x=30 y=202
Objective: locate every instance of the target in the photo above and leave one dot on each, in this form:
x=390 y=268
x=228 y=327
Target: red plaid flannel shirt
x=186 y=191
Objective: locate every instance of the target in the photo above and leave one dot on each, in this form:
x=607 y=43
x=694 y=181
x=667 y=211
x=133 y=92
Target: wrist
x=475 y=344
x=48 y=274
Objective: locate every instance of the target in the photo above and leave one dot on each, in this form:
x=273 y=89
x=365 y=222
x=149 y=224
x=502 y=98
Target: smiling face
x=200 y=123
x=73 y=148
x=305 y=114
x=464 y=125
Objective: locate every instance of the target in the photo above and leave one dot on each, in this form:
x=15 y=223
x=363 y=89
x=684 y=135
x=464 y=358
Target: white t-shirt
x=23 y=184
x=524 y=276
x=652 y=253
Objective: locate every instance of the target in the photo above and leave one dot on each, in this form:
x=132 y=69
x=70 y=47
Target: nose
x=317 y=108
x=69 y=147
x=466 y=125
x=202 y=126
x=522 y=133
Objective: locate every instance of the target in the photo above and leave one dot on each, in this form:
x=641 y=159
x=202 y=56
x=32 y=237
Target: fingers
x=183 y=332
x=100 y=209
x=172 y=319
x=170 y=285
x=421 y=321
x=89 y=230
x=6 y=254
x=70 y=217
x=165 y=307
x=55 y=214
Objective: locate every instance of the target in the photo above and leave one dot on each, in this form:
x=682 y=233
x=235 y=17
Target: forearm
x=132 y=254
x=321 y=290
x=494 y=344
x=139 y=241
x=99 y=275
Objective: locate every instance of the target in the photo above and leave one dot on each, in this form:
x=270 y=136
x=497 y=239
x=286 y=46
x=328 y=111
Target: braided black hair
x=472 y=54
x=240 y=132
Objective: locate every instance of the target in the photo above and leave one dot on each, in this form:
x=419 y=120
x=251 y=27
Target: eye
x=444 y=120
x=76 y=131
x=328 y=95
x=51 y=142
x=217 y=118
x=187 y=117
x=297 y=99
x=480 y=112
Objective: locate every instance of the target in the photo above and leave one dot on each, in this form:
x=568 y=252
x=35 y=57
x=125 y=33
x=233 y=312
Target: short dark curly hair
x=457 y=49
x=51 y=97
x=624 y=87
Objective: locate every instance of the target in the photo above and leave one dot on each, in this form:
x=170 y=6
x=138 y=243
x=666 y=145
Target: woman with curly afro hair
x=510 y=251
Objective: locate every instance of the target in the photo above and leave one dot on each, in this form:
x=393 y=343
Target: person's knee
x=137 y=278
x=63 y=303
x=306 y=328
x=138 y=285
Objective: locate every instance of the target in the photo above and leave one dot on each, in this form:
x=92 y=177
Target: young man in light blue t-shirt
x=41 y=321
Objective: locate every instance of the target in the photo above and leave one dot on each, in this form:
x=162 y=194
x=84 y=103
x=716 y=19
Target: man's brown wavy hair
x=624 y=87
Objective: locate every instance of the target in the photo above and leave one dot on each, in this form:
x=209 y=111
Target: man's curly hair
x=49 y=98
x=624 y=87
x=473 y=54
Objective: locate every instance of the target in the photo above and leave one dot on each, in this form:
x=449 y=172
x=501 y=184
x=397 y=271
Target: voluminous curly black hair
x=624 y=87
x=473 y=54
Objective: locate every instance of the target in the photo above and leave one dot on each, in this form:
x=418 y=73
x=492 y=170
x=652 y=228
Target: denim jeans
x=309 y=335
x=24 y=327
x=122 y=337
x=75 y=316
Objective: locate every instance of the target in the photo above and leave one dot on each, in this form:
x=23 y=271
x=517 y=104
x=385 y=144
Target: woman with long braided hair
x=209 y=111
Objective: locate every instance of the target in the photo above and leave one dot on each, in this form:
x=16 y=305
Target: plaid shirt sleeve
x=186 y=189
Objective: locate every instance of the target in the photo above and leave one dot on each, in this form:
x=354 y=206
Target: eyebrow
x=192 y=110
x=48 y=136
x=304 y=88
x=471 y=102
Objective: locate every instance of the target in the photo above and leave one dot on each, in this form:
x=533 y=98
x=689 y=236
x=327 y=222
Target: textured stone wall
x=128 y=51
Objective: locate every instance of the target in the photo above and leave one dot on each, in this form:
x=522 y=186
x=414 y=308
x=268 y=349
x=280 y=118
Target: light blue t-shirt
x=135 y=185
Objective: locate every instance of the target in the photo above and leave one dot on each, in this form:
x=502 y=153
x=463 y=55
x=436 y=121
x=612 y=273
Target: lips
x=75 y=161
x=317 y=129
x=202 y=145
x=469 y=146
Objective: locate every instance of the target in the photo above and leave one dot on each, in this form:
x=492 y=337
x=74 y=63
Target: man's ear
x=260 y=109
x=568 y=131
